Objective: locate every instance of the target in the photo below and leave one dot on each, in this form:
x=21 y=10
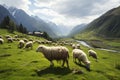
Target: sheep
x=16 y=36
x=30 y=39
x=81 y=56
x=8 y=36
x=10 y=40
x=77 y=46
x=1 y=41
x=25 y=40
x=55 y=53
x=92 y=53
x=73 y=46
x=29 y=45
x=21 y=44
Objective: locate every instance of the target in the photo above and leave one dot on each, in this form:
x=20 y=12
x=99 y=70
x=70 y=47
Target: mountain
x=32 y=23
x=4 y=12
x=107 y=25
x=77 y=29
x=55 y=28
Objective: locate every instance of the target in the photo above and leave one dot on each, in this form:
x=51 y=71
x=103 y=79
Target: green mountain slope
x=107 y=25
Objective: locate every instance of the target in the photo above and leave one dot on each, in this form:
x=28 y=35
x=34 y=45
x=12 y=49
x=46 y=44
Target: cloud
x=76 y=8
x=66 y=12
x=73 y=12
x=20 y=4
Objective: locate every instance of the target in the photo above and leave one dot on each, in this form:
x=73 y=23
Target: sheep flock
x=53 y=50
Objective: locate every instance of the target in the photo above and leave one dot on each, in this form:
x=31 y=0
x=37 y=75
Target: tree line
x=10 y=25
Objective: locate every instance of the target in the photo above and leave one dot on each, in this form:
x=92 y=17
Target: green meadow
x=27 y=64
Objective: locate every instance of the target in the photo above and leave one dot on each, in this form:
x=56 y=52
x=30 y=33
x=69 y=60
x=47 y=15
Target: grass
x=99 y=42
x=22 y=64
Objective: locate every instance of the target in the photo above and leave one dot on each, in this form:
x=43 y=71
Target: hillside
x=107 y=25
x=23 y=64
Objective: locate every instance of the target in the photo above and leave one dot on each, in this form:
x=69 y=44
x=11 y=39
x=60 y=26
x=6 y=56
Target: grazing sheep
x=30 y=39
x=10 y=40
x=8 y=36
x=21 y=44
x=93 y=54
x=1 y=41
x=81 y=56
x=16 y=36
x=25 y=40
x=29 y=44
x=78 y=46
x=73 y=46
x=55 y=53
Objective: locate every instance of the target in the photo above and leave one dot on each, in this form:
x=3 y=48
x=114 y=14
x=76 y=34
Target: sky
x=64 y=12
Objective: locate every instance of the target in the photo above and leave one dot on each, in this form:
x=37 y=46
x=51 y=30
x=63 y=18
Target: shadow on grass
x=54 y=70
x=81 y=65
x=5 y=55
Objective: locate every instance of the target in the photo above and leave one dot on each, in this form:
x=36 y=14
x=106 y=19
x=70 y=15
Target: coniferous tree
x=12 y=26
x=5 y=23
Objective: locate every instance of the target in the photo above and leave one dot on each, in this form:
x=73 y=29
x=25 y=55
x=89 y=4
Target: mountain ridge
x=107 y=25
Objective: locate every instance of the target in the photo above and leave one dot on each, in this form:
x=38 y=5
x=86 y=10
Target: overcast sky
x=64 y=12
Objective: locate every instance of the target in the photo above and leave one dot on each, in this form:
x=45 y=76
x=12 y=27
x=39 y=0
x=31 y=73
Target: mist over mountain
x=32 y=23
x=77 y=29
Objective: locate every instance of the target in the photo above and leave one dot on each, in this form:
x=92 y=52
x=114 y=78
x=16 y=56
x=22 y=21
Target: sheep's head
x=40 y=48
x=88 y=65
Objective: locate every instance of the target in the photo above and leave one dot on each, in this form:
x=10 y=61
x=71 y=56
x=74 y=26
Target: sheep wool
x=92 y=53
x=81 y=56
x=21 y=44
x=1 y=41
x=29 y=44
x=55 y=53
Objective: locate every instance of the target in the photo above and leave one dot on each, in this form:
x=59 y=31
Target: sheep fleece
x=54 y=53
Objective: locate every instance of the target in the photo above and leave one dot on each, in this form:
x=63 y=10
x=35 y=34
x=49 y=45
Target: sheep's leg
x=67 y=63
x=63 y=63
x=75 y=59
x=79 y=61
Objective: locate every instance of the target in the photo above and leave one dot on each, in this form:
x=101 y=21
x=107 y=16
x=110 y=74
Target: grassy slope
x=96 y=41
x=24 y=64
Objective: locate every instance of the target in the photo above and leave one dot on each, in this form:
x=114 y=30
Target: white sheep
x=29 y=44
x=16 y=36
x=25 y=40
x=93 y=54
x=78 y=46
x=81 y=56
x=8 y=36
x=10 y=40
x=1 y=41
x=21 y=44
x=73 y=46
x=55 y=53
